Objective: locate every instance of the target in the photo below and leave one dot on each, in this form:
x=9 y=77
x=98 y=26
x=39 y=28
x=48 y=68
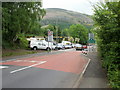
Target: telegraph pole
x=56 y=31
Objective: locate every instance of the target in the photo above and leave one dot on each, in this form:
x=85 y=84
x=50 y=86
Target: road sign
x=50 y=36
x=50 y=33
x=91 y=35
x=91 y=41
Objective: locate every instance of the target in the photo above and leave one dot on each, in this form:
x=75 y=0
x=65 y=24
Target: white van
x=41 y=44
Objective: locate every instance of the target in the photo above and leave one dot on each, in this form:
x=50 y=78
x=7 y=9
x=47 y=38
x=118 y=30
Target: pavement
x=95 y=75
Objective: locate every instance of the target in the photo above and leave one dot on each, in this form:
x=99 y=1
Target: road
x=59 y=69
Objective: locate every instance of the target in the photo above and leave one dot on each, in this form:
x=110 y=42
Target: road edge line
x=77 y=83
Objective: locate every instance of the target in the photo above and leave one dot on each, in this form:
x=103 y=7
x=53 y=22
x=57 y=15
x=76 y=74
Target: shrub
x=22 y=41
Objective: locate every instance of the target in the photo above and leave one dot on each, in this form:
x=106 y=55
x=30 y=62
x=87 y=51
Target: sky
x=82 y=6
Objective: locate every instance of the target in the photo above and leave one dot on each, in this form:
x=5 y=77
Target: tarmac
x=95 y=75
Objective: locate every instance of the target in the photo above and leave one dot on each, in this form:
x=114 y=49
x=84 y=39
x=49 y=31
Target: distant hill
x=65 y=18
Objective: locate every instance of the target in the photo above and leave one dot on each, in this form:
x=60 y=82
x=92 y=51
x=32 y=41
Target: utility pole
x=56 y=31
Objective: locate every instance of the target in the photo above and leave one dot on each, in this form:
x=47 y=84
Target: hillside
x=65 y=18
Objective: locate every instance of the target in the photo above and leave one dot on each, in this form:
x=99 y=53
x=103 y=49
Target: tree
x=65 y=33
x=79 y=31
x=20 y=18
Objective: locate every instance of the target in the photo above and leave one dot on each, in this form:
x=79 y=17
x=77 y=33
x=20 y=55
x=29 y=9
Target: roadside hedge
x=107 y=30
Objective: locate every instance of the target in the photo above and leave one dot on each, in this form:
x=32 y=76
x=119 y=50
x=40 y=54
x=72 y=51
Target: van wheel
x=34 y=48
x=48 y=49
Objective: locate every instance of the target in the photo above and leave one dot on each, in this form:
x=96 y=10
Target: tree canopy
x=20 y=18
x=79 y=31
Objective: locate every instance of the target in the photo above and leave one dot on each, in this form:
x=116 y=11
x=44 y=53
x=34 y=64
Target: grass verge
x=18 y=52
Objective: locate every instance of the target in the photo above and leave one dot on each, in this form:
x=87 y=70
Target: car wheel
x=63 y=48
x=34 y=48
x=56 y=48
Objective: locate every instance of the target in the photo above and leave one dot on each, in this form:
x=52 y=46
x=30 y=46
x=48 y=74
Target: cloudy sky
x=82 y=6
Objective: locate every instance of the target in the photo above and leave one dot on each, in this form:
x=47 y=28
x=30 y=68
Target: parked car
x=60 y=46
x=73 y=45
x=67 y=46
x=66 y=43
x=84 y=46
x=78 y=47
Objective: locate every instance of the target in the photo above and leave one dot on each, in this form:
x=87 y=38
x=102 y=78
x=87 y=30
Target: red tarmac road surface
x=68 y=62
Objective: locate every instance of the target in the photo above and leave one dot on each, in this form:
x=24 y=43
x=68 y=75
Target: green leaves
x=107 y=22
x=21 y=18
x=79 y=31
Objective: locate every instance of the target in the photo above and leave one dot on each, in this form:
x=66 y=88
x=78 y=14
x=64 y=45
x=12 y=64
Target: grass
x=18 y=52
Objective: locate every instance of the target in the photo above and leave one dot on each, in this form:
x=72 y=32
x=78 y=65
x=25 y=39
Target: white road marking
x=18 y=61
x=33 y=61
x=86 y=66
x=77 y=83
x=1 y=67
x=25 y=61
x=28 y=67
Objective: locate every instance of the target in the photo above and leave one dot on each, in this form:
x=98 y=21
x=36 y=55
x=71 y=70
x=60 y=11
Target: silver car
x=67 y=46
x=78 y=47
x=59 y=46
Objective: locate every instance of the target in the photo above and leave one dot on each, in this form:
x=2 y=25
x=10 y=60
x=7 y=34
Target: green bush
x=111 y=63
x=107 y=24
x=7 y=45
x=114 y=77
x=22 y=41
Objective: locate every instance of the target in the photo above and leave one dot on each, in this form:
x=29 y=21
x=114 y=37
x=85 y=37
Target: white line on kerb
x=86 y=67
x=78 y=80
x=28 y=67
